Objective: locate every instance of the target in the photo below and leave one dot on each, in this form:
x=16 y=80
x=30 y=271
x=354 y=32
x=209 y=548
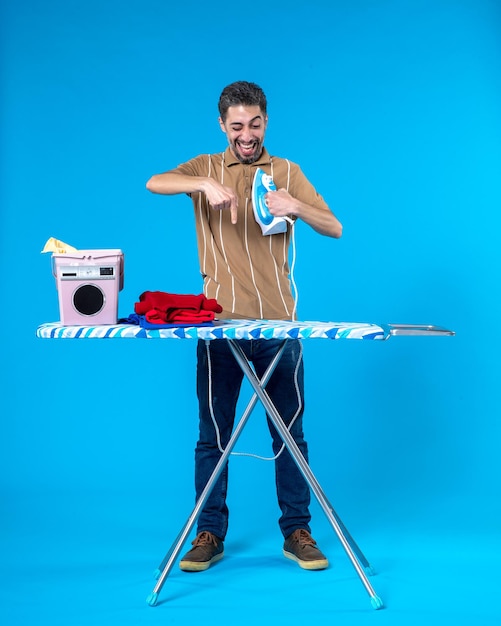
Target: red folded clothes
x=160 y=307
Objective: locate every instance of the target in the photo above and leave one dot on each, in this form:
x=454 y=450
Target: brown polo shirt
x=246 y=272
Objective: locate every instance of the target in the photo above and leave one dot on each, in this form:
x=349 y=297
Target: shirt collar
x=230 y=160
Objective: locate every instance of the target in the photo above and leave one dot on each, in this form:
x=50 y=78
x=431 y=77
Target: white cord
x=214 y=421
x=293 y=264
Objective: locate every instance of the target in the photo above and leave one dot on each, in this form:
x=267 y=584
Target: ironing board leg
x=304 y=468
x=369 y=570
x=167 y=563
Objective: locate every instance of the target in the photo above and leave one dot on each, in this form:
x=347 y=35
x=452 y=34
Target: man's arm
x=282 y=204
x=218 y=196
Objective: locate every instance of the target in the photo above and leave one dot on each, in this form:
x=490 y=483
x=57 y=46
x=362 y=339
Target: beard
x=247 y=159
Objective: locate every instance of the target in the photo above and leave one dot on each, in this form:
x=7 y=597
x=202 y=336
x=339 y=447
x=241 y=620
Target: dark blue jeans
x=217 y=366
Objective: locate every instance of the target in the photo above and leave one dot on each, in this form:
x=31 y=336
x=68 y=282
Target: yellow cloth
x=54 y=245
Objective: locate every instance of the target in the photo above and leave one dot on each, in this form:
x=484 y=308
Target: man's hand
x=221 y=198
x=280 y=203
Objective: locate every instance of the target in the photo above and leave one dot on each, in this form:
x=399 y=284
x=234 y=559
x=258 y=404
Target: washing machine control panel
x=87 y=272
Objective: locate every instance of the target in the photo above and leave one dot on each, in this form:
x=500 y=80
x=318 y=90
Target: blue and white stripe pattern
x=224 y=329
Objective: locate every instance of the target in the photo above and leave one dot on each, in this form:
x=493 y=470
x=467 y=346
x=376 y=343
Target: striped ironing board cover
x=224 y=329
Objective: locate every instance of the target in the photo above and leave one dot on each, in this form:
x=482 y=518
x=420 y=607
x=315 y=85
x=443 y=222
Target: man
x=248 y=274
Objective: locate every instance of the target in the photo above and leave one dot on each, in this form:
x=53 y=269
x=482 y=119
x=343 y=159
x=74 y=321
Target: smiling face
x=245 y=127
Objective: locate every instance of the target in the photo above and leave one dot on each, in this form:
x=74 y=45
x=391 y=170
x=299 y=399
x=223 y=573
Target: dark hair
x=241 y=93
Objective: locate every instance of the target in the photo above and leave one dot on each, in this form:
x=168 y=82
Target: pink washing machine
x=88 y=282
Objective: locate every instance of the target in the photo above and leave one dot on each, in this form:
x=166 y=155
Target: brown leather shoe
x=302 y=548
x=207 y=549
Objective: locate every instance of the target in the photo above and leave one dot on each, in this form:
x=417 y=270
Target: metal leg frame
x=353 y=552
x=166 y=565
x=306 y=471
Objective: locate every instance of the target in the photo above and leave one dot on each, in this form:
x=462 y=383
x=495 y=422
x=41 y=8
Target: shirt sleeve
x=197 y=166
x=303 y=190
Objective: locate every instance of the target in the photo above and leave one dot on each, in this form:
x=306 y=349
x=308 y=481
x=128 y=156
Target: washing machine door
x=88 y=299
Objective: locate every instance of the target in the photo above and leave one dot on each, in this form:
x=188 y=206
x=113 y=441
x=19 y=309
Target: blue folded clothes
x=140 y=320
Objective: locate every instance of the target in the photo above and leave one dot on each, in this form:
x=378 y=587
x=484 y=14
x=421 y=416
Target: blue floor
x=75 y=560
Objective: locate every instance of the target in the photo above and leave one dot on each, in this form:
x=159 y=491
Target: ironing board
x=232 y=331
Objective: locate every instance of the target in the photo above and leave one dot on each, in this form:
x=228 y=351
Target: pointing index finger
x=233 y=210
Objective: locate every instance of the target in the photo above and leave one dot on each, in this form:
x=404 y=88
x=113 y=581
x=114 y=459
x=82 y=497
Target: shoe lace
x=304 y=538
x=203 y=539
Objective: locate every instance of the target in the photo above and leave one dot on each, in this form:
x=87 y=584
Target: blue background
x=392 y=109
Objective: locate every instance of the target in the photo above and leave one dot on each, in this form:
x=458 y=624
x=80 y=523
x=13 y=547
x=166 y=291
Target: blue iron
x=270 y=225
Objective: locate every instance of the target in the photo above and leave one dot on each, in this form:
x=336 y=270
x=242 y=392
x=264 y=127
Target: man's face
x=245 y=127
